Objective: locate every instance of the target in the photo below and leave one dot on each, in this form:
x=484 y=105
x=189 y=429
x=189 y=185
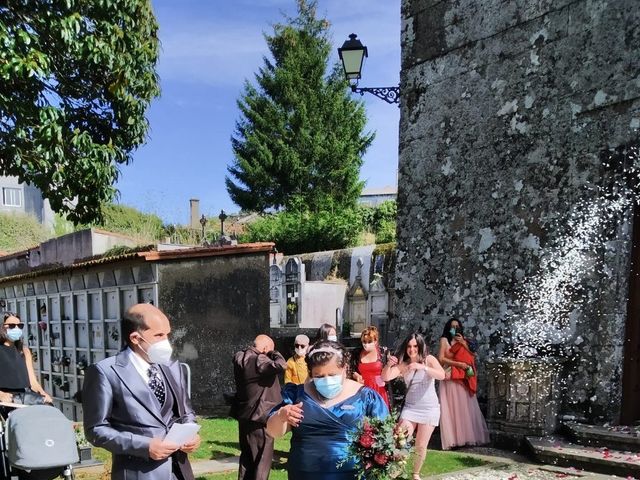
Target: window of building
x=12 y=197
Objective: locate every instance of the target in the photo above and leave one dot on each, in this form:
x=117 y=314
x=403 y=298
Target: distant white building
x=23 y=198
x=375 y=196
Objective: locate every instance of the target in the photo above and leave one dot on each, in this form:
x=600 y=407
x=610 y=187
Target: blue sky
x=209 y=47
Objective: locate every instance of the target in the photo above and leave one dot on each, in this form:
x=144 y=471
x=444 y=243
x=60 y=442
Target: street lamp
x=352 y=54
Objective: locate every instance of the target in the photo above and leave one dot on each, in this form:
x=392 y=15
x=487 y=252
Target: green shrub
x=129 y=221
x=62 y=226
x=380 y=221
x=383 y=214
x=20 y=231
x=295 y=232
x=386 y=232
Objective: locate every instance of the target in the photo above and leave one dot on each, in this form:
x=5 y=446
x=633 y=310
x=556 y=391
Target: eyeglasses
x=11 y=326
x=299 y=346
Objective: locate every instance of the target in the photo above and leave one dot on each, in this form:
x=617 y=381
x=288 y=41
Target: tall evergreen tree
x=300 y=139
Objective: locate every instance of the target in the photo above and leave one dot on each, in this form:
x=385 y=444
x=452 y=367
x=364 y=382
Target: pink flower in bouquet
x=366 y=440
x=380 y=458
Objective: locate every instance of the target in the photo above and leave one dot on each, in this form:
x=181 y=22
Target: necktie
x=156 y=384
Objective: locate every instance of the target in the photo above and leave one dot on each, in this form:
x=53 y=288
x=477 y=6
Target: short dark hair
x=317 y=359
x=132 y=322
x=423 y=350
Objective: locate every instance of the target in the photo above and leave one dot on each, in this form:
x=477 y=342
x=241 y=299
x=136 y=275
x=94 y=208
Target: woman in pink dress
x=461 y=421
x=368 y=362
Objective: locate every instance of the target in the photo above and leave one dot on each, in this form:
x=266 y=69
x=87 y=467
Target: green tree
x=76 y=78
x=300 y=139
x=294 y=232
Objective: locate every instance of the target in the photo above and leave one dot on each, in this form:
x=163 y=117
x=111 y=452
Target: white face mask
x=159 y=352
x=332 y=338
x=369 y=347
x=301 y=351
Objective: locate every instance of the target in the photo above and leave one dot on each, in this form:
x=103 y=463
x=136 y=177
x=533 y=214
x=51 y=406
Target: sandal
x=416 y=476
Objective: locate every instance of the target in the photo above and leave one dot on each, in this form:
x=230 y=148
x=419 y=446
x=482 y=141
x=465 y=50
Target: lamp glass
x=352 y=63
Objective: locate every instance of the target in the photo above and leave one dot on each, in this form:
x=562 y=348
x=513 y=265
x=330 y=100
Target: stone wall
x=217 y=306
x=508 y=110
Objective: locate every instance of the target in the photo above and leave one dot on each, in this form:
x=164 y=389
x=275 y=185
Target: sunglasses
x=11 y=326
x=299 y=346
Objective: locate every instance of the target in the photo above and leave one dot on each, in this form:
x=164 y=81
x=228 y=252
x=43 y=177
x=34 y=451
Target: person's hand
x=159 y=449
x=357 y=377
x=47 y=397
x=191 y=446
x=273 y=354
x=6 y=397
x=392 y=361
x=460 y=339
x=292 y=414
x=464 y=366
x=414 y=366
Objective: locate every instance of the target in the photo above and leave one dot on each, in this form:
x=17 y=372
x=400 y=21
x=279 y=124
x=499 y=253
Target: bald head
x=142 y=317
x=143 y=310
x=263 y=343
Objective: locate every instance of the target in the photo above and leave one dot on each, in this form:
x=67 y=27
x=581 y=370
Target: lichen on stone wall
x=506 y=117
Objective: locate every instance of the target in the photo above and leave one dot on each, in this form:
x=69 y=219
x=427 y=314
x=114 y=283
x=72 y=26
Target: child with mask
x=322 y=414
x=17 y=376
x=297 y=370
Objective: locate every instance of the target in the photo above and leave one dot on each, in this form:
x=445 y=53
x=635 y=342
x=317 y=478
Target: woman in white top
x=421 y=411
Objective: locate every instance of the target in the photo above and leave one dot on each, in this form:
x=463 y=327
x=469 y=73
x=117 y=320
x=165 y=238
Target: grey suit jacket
x=121 y=415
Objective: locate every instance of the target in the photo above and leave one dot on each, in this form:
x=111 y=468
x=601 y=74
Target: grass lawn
x=220 y=440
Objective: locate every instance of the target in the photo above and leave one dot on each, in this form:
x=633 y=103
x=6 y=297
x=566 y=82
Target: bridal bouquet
x=379 y=450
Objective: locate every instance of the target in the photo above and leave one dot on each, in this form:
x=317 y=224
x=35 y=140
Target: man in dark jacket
x=256 y=371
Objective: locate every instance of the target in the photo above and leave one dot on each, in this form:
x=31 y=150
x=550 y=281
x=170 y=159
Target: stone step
x=618 y=437
x=558 y=451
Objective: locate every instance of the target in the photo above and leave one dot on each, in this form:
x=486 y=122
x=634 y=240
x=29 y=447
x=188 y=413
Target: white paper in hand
x=181 y=433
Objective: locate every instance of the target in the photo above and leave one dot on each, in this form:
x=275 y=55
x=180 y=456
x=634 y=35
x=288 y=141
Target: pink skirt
x=461 y=421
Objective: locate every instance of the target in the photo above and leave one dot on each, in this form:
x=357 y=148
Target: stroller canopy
x=40 y=437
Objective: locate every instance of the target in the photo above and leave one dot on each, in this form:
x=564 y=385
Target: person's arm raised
x=270 y=363
x=391 y=370
x=286 y=417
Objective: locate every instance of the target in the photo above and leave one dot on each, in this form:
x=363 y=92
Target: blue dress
x=320 y=442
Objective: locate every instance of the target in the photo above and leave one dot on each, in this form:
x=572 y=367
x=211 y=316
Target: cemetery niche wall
x=72 y=313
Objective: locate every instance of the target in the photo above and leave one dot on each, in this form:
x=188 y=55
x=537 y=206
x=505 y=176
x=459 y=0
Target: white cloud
x=227 y=49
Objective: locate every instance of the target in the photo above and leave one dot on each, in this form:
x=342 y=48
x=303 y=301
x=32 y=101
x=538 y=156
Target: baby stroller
x=37 y=443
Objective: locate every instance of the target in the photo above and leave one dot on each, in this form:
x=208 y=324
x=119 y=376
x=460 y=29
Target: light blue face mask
x=14 y=334
x=330 y=386
x=452 y=332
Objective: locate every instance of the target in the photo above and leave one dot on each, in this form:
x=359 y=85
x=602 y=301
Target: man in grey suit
x=131 y=400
